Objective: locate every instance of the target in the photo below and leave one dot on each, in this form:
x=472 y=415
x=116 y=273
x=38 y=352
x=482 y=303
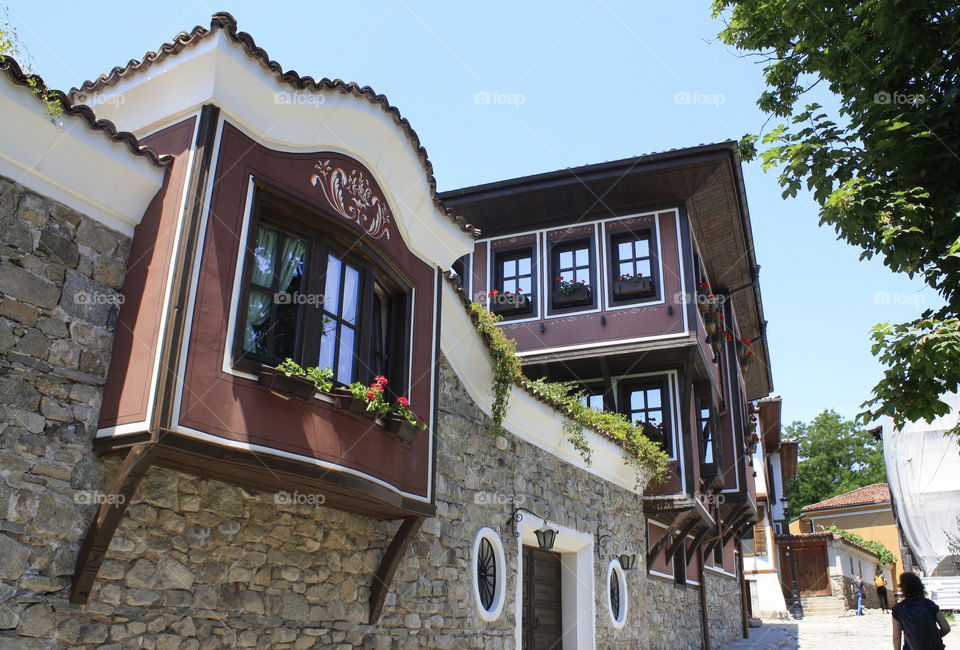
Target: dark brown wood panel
x=542 y=611
x=811 y=565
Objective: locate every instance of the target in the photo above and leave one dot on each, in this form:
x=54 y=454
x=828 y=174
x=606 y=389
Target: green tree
x=835 y=456
x=885 y=169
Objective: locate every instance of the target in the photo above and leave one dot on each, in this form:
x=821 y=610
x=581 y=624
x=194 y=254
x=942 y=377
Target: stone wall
x=60 y=275
x=724 y=609
x=197 y=563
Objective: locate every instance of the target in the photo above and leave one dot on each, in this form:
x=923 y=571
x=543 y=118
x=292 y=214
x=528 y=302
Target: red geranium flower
x=493 y=293
x=371 y=394
x=403 y=401
x=380 y=379
x=376 y=387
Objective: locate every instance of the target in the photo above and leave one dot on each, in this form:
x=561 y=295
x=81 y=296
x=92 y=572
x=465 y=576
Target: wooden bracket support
x=109 y=513
x=679 y=538
x=389 y=563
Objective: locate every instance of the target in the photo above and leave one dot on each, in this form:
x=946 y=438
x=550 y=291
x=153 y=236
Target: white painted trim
x=615 y=572
x=654 y=572
x=578 y=601
x=587 y=346
x=227 y=365
x=500 y=589
x=74 y=164
x=254 y=448
x=548 y=276
x=123 y=429
x=714 y=569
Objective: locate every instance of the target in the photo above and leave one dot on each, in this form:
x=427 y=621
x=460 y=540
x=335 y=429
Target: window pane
x=351 y=290
x=569 y=276
x=524 y=285
x=655 y=416
x=264 y=257
x=524 y=266
x=582 y=275
x=625 y=250
x=643 y=267
x=345 y=362
x=642 y=248
x=328 y=345
x=626 y=268
x=290 y=271
x=653 y=398
x=510 y=286
x=636 y=400
x=258 y=314
x=595 y=402
x=583 y=257
x=566 y=259
x=331 y=296
x=510 y=268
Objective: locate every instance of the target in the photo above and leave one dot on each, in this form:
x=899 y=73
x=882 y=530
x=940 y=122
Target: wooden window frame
x=327 y=236
x=572 y=244
x=613 y=257
x=663 y=383
x=502 y=255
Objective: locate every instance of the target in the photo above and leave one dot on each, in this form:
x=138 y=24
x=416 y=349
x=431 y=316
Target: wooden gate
x=542 y=625
x=811 y=563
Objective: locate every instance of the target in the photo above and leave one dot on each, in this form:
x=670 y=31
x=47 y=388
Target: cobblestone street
x=850 y=632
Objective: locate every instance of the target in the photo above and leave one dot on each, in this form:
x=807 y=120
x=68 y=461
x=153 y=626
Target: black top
x=918 y=618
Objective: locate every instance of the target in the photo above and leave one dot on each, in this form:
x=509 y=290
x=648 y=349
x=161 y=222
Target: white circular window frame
x=615 y=572
x=501 y=588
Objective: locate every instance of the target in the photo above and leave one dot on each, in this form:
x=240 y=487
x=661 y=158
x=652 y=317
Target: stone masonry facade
x=198 y=563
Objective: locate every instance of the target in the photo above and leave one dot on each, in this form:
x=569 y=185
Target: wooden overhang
x=683 y=516
x=707 y=181
x=769 y=428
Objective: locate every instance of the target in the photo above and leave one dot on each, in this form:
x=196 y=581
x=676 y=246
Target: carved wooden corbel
x=389 y=564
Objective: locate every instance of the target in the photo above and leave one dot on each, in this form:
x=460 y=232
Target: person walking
x=858 y=591
x=917 y=620
x=881 y=585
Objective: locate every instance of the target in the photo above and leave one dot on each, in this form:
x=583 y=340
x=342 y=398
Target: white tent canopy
x=923 y=470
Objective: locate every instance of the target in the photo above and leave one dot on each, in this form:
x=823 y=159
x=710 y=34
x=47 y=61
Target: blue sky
x=570 y=84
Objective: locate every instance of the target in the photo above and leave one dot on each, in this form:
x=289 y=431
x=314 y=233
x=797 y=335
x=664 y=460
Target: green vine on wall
x=886 y=555
x=646 y=456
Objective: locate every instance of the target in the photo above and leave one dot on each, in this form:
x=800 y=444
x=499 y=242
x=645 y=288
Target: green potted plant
x=403 y=422
x=654 y=432
x=289 y=380
x=705 y=299
x=630 y=286
x=567 y=293
x=504 y=303
x=368 y=401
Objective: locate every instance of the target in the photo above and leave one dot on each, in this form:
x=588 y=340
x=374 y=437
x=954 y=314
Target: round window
x=489 y=578
x=617 y=593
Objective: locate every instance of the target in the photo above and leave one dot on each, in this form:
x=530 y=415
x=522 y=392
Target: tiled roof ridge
x=36 y=84
x=851 y=498
x=522 y=382
x=225 y=21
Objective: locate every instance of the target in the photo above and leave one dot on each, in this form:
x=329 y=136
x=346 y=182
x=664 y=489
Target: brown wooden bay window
x=314 y=293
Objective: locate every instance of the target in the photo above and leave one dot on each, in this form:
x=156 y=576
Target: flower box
x=638 y=288
x=572 y=298
x=401 y=428
x=509 y=303
x=359 y=407
x=285 y=386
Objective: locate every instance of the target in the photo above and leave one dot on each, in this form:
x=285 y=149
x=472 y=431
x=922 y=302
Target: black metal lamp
x=546 y=536
x=627 y=561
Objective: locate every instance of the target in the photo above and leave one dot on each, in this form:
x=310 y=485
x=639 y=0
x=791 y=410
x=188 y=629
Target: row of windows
x=573 y=275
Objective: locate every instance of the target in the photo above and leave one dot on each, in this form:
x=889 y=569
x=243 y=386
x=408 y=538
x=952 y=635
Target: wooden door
x=811 y=564
x=542 y=624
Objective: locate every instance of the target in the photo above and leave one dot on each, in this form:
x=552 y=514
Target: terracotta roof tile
x=13 y=72
x=226 y=22
x=876 y=493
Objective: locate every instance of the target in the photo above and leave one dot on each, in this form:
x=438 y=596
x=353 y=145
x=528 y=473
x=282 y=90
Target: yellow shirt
x=879 y=581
